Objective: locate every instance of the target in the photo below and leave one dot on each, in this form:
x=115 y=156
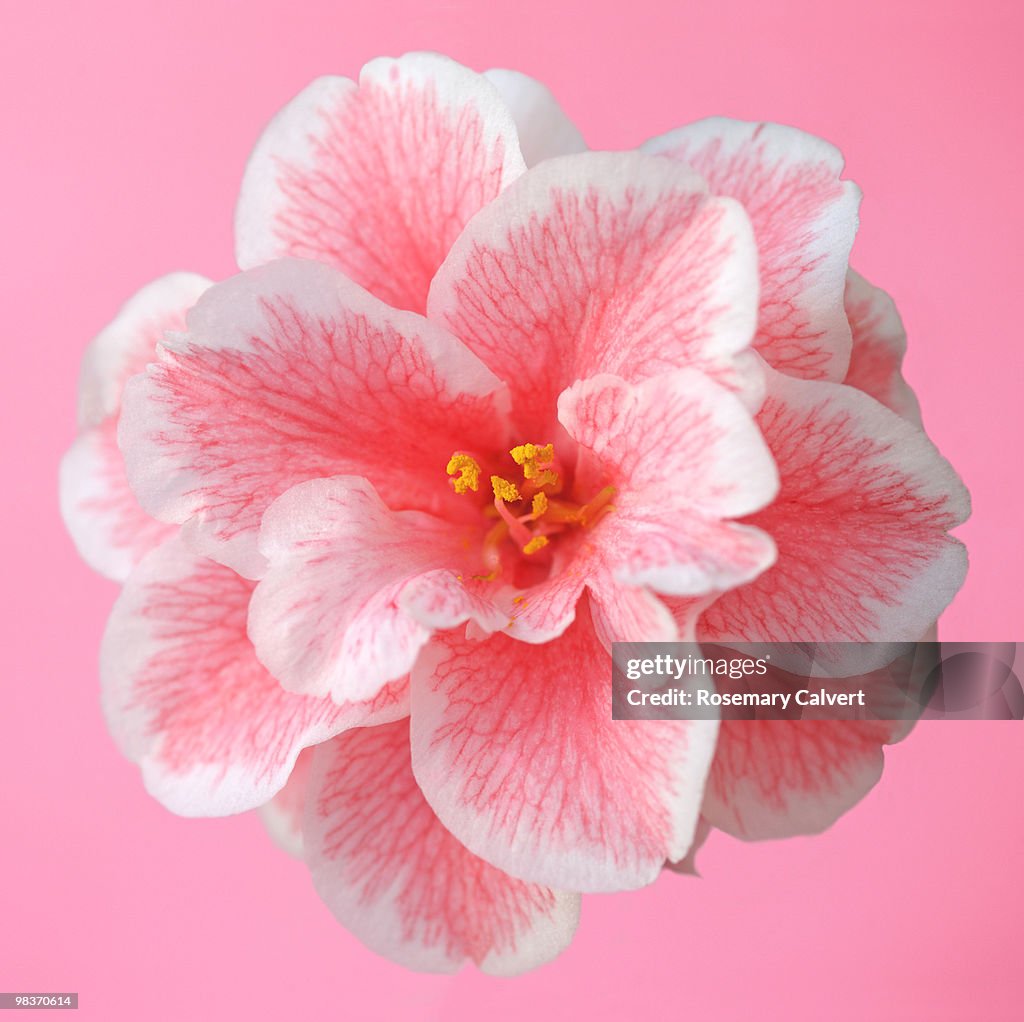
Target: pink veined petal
x=631 y=614
x=128 y=343
x=392 y=874
x=684 y=457
x=542 y=125
x=860 y=524
x=282 y=815
x=804 y=219
x=186 y=698
x=109 y=529
x=879 y=344
x=601 y=262
x=620 y=613
x=515 y=748
x=111 y=532
x=378 y=178
x=292 y=372
x=330 y=614
x=781 y=778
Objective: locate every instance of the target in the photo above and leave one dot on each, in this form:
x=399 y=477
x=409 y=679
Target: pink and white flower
x=480 y=404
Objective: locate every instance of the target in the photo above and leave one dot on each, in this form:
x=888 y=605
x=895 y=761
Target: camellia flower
x=480 y=404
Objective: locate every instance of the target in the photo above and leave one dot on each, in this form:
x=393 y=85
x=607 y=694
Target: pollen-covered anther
x=537 y=463
x=466 y=472
x=535 y=544
x=504 y=490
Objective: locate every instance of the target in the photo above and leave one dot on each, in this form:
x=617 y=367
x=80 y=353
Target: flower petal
x=329 y=616
x=292 y=372
x=282 y=815
x=631 y=614
x=601 y=262
x=781 y=778
x=804 y=220
x=515 y=748
x=879 y=343
x=110 y=531
x=687 y=865
x=684 y=457
x=378 y=178
x=123 y=348
x=776 y=778
x=186 y=698
x=392 y=874
x=860 y=524
x=542 y=125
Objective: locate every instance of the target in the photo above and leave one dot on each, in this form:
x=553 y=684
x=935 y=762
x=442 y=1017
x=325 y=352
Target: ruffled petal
x=544 y=128
x=804 y=218
x=378 y=178
x=628 y=614
x=684 y=457
x=129 y=342
x=292 y=372
x=781 y=778
x=108 y=527
x=392 y=874
x=329 y=616
x=860 y=524
x=515 y=748
x=879 y=344
x=110 y=531
x=778 y=778
x=601 y=262
x=186 y=698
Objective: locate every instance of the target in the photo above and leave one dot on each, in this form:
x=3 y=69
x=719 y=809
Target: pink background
x=127 y=126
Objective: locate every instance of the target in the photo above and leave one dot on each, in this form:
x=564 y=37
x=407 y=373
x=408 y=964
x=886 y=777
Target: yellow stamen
x=535 y=544
x=540 y=504
x=597 y=508
x=468 y=472
x=504 y=490
x=536 y=463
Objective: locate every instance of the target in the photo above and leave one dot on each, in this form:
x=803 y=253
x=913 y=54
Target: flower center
x=529 y=512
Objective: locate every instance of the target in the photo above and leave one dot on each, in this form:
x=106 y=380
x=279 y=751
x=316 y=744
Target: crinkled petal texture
x=108 y=527
x=378 y=178
x=804 y=218
x=338 y=609
x=601 y=262
x=515 y=749
x=186 y=698
x=392 y=874
x=879 y=344
x=291 y=372
x=544 y=128
x=860 y=523
x=684 y=458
